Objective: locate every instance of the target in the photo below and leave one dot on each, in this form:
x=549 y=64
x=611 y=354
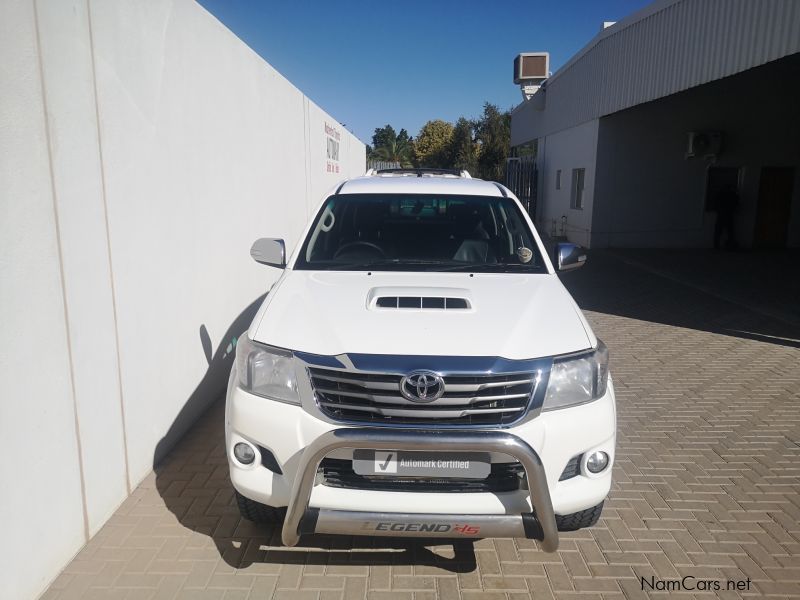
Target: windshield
x=420 y=232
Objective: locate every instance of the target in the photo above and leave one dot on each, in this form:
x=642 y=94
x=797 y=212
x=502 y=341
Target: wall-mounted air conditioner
x=530 y=70
x=704 y=144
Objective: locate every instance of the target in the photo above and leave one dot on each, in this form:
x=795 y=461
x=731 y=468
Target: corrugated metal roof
x=669 y=46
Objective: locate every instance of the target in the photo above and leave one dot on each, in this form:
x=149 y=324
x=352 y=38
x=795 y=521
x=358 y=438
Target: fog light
x=244 y=453
x=597 y=461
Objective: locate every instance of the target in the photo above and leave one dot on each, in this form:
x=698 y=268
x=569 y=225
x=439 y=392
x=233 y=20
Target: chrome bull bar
x=540 y=525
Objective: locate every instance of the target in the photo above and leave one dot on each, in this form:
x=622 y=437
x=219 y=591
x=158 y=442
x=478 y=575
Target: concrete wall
x=574 y=148
x=39 y=468
x=143 y=147
x=648 y=194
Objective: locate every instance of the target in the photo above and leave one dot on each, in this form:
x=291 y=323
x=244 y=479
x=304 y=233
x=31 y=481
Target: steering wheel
x=350 y=245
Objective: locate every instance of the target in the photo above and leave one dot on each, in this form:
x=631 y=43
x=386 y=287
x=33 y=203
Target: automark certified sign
x=403 y=463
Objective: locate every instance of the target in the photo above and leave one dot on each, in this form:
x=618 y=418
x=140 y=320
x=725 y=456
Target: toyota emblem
x=422 y=386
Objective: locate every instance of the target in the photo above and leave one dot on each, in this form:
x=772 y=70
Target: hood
x=514 y=316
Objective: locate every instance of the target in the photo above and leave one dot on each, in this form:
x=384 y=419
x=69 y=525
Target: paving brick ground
x=707 y=482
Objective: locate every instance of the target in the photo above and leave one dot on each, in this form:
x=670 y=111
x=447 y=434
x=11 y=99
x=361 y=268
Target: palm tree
x=396 y=150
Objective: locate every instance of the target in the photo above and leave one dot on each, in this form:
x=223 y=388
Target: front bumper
x=540 y=525
x=296 y=437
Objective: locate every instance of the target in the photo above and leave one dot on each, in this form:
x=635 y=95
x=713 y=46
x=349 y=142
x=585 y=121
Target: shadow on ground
x=192 y=478
x=751 y=295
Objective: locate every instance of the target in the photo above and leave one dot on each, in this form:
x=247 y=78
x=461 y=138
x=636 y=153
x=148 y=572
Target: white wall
x=143 y=147
x=574 y=148
x=39 y=467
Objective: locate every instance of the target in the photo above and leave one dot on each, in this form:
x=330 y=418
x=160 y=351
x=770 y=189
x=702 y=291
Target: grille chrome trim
x=393 y=385
x=492 y=398
x=373 y=385
x=415 y=414
x=449 y=401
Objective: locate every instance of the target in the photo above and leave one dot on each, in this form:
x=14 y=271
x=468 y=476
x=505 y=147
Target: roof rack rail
x=422 y=172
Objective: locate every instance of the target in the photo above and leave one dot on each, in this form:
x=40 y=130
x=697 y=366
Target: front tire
x=259 y=513
x=579 y=520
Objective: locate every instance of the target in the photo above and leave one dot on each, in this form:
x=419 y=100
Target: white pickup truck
x=418 y=369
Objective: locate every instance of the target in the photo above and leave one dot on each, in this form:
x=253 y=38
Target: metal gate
x=521 y=179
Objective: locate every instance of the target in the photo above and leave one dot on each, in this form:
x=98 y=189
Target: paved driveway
x=707 y=482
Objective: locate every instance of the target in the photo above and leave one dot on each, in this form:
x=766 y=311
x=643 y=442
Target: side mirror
x=569 y=256
x=269 y=251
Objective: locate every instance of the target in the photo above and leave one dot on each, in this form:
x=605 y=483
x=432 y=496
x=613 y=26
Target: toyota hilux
x=418 y=369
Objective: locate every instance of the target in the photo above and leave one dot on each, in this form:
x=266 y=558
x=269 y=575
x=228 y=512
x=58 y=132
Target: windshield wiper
x=493 y=267
x=400 y=262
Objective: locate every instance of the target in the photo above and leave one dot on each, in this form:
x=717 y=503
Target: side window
x=558 y=179
x=576 y=195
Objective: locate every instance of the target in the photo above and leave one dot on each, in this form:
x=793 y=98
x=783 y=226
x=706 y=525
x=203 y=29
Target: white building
x=613 y=128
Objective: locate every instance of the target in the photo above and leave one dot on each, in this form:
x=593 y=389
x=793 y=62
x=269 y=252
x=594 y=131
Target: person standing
x=727 y=204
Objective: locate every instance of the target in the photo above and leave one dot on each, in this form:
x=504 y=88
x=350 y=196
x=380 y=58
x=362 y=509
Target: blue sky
x=404 y=63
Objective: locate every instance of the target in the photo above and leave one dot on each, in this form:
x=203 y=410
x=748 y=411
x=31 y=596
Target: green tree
x=387 y=145
x=432 y=147
x=384 y=135
x=396 y=150
x=463 y=148
x=493 y=133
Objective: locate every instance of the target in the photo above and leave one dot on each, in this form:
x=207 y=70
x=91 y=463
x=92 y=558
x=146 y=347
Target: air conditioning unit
x=705 y=144
x=530 y=71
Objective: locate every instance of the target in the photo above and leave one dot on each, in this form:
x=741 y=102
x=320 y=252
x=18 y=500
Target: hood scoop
x=419 y=298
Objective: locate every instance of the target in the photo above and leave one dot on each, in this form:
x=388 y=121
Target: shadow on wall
x=745 y=295
x=192 y=478
x=213 y=383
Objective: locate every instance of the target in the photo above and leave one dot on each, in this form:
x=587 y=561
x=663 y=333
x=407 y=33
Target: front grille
x=503 y=477
x=489 y=400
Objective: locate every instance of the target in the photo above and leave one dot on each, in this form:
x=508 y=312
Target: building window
x=576 y=198
x=558 y=179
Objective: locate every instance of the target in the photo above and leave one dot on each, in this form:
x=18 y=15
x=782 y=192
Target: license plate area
x=433 y=465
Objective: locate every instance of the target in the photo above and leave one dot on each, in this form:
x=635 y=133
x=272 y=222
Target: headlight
x=266 y=371
x=577 y=380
